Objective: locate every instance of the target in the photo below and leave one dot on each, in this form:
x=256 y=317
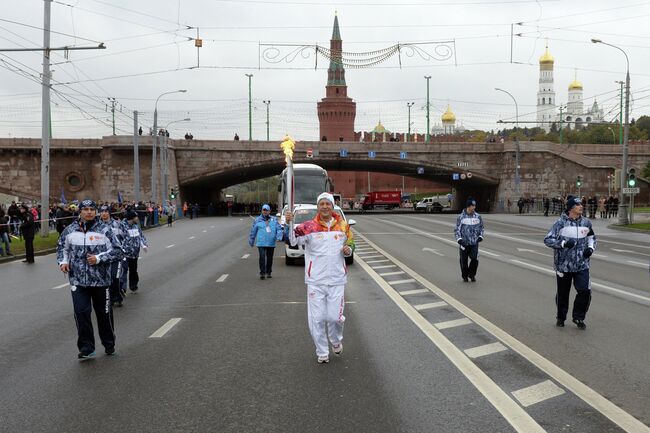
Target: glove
x=480 y=238
x=460 y=242
x=588 y=252
x=570 y=243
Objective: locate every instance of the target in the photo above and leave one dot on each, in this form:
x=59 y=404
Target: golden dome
x=380 y=129
x=575 y=85
x=546 y=58
x=448 y=116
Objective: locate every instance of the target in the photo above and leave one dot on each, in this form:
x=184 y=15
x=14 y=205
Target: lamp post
x=408 y=135
x=516 y=138
x=250 y=109
x=622 y=213
x=620 y=115
x=155 y=143
x=267 y=103
x=163 y=161
x=613 y=135
x=428 y=78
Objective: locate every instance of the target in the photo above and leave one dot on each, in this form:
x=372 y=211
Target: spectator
x=4 y=232
x=236 y=137
x=27 y=230
x=140 y=131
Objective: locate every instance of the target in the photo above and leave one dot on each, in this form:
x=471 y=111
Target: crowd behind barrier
x=594 y=206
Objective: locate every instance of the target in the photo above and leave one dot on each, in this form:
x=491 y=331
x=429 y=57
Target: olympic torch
x=287 y=146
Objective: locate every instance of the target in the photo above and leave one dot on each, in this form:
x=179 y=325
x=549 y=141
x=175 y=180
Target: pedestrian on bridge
x=84 y=252
x=573 y=240
x=265 y=232
x=469 y=232
x=327 y=240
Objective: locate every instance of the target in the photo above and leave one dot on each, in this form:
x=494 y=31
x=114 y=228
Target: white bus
x=310 y=180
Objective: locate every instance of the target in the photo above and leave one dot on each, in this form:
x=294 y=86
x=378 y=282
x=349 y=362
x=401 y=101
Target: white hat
x=325 y=196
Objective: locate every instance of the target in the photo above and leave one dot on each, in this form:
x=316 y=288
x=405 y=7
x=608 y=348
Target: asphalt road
x=240 y=359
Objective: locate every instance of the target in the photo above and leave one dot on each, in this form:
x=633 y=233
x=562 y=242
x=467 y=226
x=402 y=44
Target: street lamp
x=622 y=214
x=155 y=143
x=516 y=139
x=163 y=161
x=408 y=135
x=267 y=103
x=428 y=78
x=250 y=109
x=613 y=135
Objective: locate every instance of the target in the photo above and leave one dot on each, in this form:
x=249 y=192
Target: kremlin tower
x=546 y=93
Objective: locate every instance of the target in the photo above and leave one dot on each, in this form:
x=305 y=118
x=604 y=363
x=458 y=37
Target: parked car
x=428 y=204
x=302 y=213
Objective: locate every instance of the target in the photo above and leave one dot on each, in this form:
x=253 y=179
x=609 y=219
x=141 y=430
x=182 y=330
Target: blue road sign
x=403 y=155
x=455 y=176
x=343 y=153
x=372 y=154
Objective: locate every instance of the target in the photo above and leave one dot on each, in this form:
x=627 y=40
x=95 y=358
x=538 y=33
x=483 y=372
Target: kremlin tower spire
x=336 y=112
x=546 y=92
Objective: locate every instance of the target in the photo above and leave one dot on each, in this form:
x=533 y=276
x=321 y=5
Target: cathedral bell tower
x=546 y=92
x=336 y=112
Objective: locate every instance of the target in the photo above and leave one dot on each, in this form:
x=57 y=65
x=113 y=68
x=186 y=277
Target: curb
x=627 y=229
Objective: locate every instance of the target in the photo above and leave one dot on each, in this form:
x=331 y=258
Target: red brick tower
x=336 y=112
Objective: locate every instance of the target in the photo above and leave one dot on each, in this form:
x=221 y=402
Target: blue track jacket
x=133 y=239
x=571 y=259
x=265 y=232
x=469 y=227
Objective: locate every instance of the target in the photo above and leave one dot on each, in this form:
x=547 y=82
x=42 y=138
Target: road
x=424 y=352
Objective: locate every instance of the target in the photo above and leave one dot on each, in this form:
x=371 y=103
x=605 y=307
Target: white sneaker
x=323 y=359
x=337 y=348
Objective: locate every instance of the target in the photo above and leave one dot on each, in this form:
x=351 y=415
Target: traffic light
x=172 y=194
x=579 y=181
x=631 y=177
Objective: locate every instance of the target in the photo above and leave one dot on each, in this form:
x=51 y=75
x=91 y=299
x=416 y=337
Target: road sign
x=372 y=154
x=631 y=190
x=403 y=155
x=455 y=176
x=343 y=153
x=463 y=176
x=469 y=175
x=420 y=170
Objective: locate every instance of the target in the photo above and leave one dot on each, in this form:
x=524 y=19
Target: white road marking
x=165 y=328
x=377 y=261
x=600 y=256
x=514 y=414
x=385 y=274
x=430 y=305
x=481 y=381
x=373 y=256
x=222 y=278
x=623 y=243
x=211 y=227
x=385 y=266
x=169 y=246
x=486 y=349
x=394 y=283
x=205 y=231
x=413 y=292
x=61 y=286
x=245 y=256
x=537 y=393
x=191 y=237
x=526 y=250
x=645 y=265
x=630 y=252
x=489 y=253
x=433 y=251
x=453 y=323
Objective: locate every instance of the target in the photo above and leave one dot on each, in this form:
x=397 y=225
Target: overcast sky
x=148 y=53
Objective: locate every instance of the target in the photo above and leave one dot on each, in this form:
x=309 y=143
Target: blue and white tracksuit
x=119 y=267
x=133 y=240
x=570 y=264
x=265 y=232
x=89 y=283
x=469 y=232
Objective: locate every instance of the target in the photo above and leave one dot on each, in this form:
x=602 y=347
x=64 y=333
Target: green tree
x=645 y=172
x=643 y=123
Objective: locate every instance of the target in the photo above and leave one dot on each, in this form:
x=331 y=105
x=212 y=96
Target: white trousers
x=325 y=316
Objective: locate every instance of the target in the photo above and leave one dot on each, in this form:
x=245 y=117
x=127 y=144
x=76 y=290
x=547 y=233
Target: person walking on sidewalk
x=265 y=232
x=327 y=240
x=84 y=253
x=573 y=241
x=469 y=232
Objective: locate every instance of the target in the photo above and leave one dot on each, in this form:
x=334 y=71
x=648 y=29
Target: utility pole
x=408 y=135
x=136 y=159
x=112 y=101
x=428 y=77
x=620 y=116
x=561 y=122
x=45 y=123
x=250 y=109
x=267 y=118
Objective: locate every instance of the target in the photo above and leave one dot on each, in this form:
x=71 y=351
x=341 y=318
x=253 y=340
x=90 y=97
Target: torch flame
x=287 y=147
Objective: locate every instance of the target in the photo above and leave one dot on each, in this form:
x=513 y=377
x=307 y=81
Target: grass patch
x=640 y=226
x=40 y=243
x=642 y=209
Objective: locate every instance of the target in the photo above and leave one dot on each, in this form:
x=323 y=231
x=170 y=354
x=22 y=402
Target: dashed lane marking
x=393 y=283
x=169 y=246
x=211 y=227
x=377 y=261
x=453 y=323
x=484 y=350
x=490 y=253
x=222 y=278
x=205 y=231
x=537 y=393
x=385 y=274
x=519 y=419
x=61 y=286
x=245 y=256
x=413 y=292
x=637 y=263
x=384 y=267
x=165 y=328
x=191 y=237
x=430 y=305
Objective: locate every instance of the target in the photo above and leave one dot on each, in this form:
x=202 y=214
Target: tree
x=645 y=172
x=643 y=123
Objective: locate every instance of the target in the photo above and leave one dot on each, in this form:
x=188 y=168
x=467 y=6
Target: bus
x=310 y=180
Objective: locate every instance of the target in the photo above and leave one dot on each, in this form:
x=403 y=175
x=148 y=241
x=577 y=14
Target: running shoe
x=580 y=323
x=324 y=359
x=337 y=348
x=84 y=356
x=110 y=351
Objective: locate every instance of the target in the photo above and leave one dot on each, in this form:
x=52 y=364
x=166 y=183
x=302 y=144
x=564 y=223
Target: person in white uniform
x=327 y=240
